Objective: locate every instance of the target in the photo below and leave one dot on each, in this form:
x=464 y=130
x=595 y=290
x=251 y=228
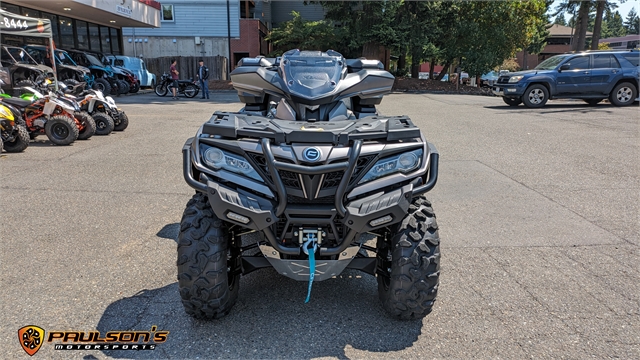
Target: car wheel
x=623 y=94
x=512 y=101
x=535 y=96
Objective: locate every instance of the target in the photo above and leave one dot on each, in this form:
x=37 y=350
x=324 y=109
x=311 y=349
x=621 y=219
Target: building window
x=30 y=13
x=82 y=32
x=54 y=26
x=167 y=13
x=11 y=8
x=105 y=39
x=94 y=37
x=115 y=41
x=66 y=32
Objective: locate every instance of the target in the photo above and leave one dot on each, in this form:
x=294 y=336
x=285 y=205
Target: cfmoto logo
x=311 y=154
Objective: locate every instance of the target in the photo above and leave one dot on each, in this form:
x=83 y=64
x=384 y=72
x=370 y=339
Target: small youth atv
x=311 y=166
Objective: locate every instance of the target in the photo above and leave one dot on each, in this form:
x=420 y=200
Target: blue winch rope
x=312 y=271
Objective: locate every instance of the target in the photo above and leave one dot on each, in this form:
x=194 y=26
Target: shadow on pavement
x=216 y=97
x=169 y=231
x=270 y=320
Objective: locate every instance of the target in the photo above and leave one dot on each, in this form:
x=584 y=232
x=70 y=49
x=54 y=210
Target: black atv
x=312 y=167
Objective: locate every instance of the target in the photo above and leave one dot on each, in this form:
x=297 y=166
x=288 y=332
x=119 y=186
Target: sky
x=623 y=8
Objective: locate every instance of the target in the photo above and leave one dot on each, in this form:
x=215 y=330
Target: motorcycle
x=188 y=88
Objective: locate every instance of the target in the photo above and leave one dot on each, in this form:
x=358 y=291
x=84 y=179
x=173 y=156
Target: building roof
x=620 y=39
x=563 y=31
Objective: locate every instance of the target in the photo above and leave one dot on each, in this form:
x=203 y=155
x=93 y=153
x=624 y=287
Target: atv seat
x=16 y=102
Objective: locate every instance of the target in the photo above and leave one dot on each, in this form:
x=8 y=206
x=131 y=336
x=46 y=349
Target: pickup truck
x=591 y=76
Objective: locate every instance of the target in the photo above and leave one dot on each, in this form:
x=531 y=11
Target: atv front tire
x=123 y=121
x=61 y=130
x=104 y=123
x=410 y=264
x=207 y=287
x=89 y=125
x=102 y=85
x=20 y=140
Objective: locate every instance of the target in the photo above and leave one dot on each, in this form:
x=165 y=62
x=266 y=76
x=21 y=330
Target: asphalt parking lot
x=538 y=213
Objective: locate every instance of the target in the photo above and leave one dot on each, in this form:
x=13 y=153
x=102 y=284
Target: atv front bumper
x=259 y=213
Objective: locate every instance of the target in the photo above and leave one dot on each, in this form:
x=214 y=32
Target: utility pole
x=228 y=40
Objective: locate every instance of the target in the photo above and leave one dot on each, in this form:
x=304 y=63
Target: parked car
x=23 y=69
x=591 y=76
x=65 y=67
x=136 y=66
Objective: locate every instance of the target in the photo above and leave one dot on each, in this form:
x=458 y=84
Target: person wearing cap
x=203 y=76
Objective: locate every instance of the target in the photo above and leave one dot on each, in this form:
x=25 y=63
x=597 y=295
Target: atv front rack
x=263 y=213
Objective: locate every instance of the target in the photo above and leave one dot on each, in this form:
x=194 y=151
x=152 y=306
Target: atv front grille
x=332 y=179
x=291 y=199
x=289 y=179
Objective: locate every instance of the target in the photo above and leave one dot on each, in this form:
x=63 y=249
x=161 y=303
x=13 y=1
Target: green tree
x=302 y=34
x=632 y=23
x=560 y=20
x=615 y=26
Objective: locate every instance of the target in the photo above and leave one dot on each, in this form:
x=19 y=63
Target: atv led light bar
x=404 y=163
x=380 y=221
x=237 y=217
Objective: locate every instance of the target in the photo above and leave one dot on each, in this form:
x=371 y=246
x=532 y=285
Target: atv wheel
x=135 y=88
x=104 y=123
x=191 y=91
x=61 y=130
x=102 y=85
x=593 y=102
x=123 y=123
x=161 y=90
x=71 y=82
x=23 y=83
x=512 y=101
x=123 y=87
x=410 y=264
x=623 y=94
x=207 y=288
x=20 y=140
x=535 y=96
x=89 y=125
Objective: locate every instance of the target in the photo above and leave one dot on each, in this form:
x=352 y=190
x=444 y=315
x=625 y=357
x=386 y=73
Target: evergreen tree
x=560 y=20
x=632 y=23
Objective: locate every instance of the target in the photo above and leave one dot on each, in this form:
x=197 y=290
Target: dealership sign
x=13 y=24
x=124 y=11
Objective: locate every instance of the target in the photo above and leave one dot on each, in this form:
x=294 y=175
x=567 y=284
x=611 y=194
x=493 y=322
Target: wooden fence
x=188 y=66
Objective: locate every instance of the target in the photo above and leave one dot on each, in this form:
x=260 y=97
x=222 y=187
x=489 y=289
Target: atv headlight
x=219 y=159
x=403 y=163
x=515 y=79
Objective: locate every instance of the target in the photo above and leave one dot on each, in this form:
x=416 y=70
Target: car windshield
x=311 y=73
x=551 y=63
x=64 y=58
x=93 y=60
x=19 y=56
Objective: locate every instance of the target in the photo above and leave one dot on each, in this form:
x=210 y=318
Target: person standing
x=203 y=75
x=174 y=77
